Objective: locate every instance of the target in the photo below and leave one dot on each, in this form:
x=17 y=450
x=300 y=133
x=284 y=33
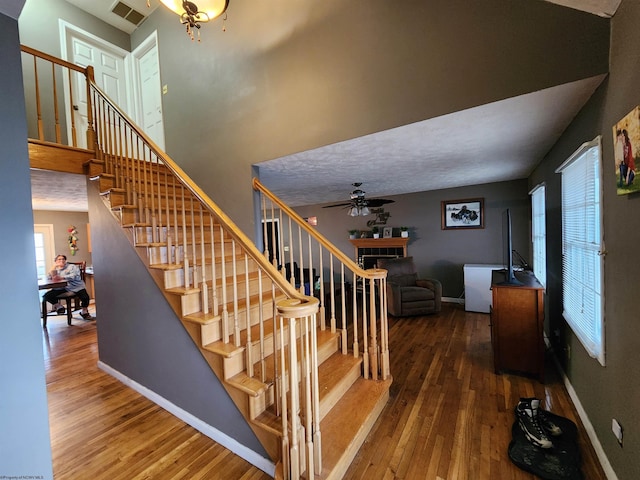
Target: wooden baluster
x=384 y=330
x=154 y=212
x=281 y=246
x=141 y=184
x=323 y=322
x=223 y=283
x=295 y=399
x=263 y=366
x=308 y=404
x=56 y=114
x=317 y=436
x=300 y=253
x=274 y=260
x=195 y=267
x=247 y=293
x=354 y=314
x=110 y=142
x=234 y=284
x=185 y=257
x=194 y=252
x=365 y=340
x=72 y=116
x=343 y=294
x=214 y=278
x=332 y=294
x=265 y=246
x=284 y=412
x=158 y=210
x=147 y=174
x=276 y=348
x=38 y=103
x=127 y=165
x=176 y=226
x=373 y=345
x=203 y=271
x=292 y=271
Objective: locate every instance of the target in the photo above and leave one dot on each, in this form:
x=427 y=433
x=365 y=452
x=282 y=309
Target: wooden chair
x=67 y=296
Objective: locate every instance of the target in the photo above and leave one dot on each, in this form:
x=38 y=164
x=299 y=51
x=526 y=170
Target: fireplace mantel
x=383 y=247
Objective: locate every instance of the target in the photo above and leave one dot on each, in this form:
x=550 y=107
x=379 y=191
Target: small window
x=582 y=247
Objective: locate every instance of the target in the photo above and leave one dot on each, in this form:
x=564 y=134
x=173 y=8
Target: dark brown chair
x=408 y=295
x=67 y=296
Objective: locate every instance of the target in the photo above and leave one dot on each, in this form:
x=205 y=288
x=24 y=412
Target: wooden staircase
x=349 y=404
x=311 y=392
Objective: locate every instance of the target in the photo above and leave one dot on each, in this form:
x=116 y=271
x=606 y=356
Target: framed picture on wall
x=626 y=140
x=462 y=214
x=387 y=232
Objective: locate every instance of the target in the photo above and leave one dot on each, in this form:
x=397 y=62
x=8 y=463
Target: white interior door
x=45 y=249
x=149 y=85
x=108 y=61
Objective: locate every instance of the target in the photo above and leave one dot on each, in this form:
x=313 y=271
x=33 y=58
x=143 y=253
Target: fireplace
x=369 y=250
x=371 y=261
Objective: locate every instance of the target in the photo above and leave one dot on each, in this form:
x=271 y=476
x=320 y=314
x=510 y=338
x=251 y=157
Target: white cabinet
x=477 y=287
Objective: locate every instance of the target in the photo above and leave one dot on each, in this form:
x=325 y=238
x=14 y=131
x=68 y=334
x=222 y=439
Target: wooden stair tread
x=252 y=386
x=223 y=349
x=345 y=428
x=202 y=318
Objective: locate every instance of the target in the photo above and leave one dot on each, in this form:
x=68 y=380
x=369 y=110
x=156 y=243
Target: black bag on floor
x=561 y=462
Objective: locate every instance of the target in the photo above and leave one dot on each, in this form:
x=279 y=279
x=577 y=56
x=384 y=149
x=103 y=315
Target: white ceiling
x=497 y=142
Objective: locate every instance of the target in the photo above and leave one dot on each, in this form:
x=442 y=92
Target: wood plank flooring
x=449 y=416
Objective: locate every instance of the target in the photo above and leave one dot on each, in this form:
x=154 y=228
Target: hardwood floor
x=449 y=415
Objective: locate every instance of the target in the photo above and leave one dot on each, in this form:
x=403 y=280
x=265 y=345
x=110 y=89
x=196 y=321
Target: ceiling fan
x=358 y=204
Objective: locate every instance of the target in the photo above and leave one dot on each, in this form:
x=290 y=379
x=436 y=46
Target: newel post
x=301 y=415
x=91 y=133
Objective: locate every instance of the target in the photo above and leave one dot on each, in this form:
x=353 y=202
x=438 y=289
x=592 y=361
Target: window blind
x=582 y=247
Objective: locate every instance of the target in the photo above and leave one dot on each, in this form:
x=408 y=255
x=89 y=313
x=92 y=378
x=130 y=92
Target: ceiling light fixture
x=193 y=15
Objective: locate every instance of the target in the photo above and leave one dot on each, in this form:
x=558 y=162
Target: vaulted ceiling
x=499 y=141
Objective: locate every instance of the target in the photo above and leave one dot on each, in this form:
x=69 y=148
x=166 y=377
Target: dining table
x=48 y=284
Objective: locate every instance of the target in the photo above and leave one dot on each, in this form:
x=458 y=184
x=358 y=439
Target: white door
x=108 y=61
x=147 y=67
x=45 y=249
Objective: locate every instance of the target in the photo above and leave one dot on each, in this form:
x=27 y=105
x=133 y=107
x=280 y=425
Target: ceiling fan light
x=353 y=212
x=212 y=8
x=364 y=211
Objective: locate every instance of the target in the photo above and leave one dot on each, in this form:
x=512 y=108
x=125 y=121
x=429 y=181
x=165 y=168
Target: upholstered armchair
x=408 y=295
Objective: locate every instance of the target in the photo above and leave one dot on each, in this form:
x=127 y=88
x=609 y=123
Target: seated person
x=71 y=274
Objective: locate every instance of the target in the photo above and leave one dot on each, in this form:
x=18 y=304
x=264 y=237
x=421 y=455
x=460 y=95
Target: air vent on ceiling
x=125 y=11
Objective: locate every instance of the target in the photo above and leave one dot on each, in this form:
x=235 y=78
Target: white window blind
x=539 y=233
x=582 y=246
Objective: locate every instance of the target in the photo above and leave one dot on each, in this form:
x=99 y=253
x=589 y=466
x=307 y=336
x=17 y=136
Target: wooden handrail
x=52 y=59
x=224 y=219
x=374 y=273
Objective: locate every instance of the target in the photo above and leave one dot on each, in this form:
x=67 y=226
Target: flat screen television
x=507 y=249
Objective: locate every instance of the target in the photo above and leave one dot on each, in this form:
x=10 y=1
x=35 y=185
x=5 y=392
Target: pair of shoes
x=61 y=311
x=530 y=420
x=86 y=316
x=547 y=424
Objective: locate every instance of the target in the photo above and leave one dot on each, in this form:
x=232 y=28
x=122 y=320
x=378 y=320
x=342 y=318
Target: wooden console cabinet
x=517 y=323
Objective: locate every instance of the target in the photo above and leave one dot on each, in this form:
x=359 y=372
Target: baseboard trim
x=453 y=300
x=255 y=459
x=595 y=442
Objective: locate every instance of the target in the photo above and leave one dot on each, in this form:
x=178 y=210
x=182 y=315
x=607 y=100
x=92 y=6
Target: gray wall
x=441 y=253
x=612 y=391
x=292 y=76
x=61 y=222
x=24 y=425
x=140 y=336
